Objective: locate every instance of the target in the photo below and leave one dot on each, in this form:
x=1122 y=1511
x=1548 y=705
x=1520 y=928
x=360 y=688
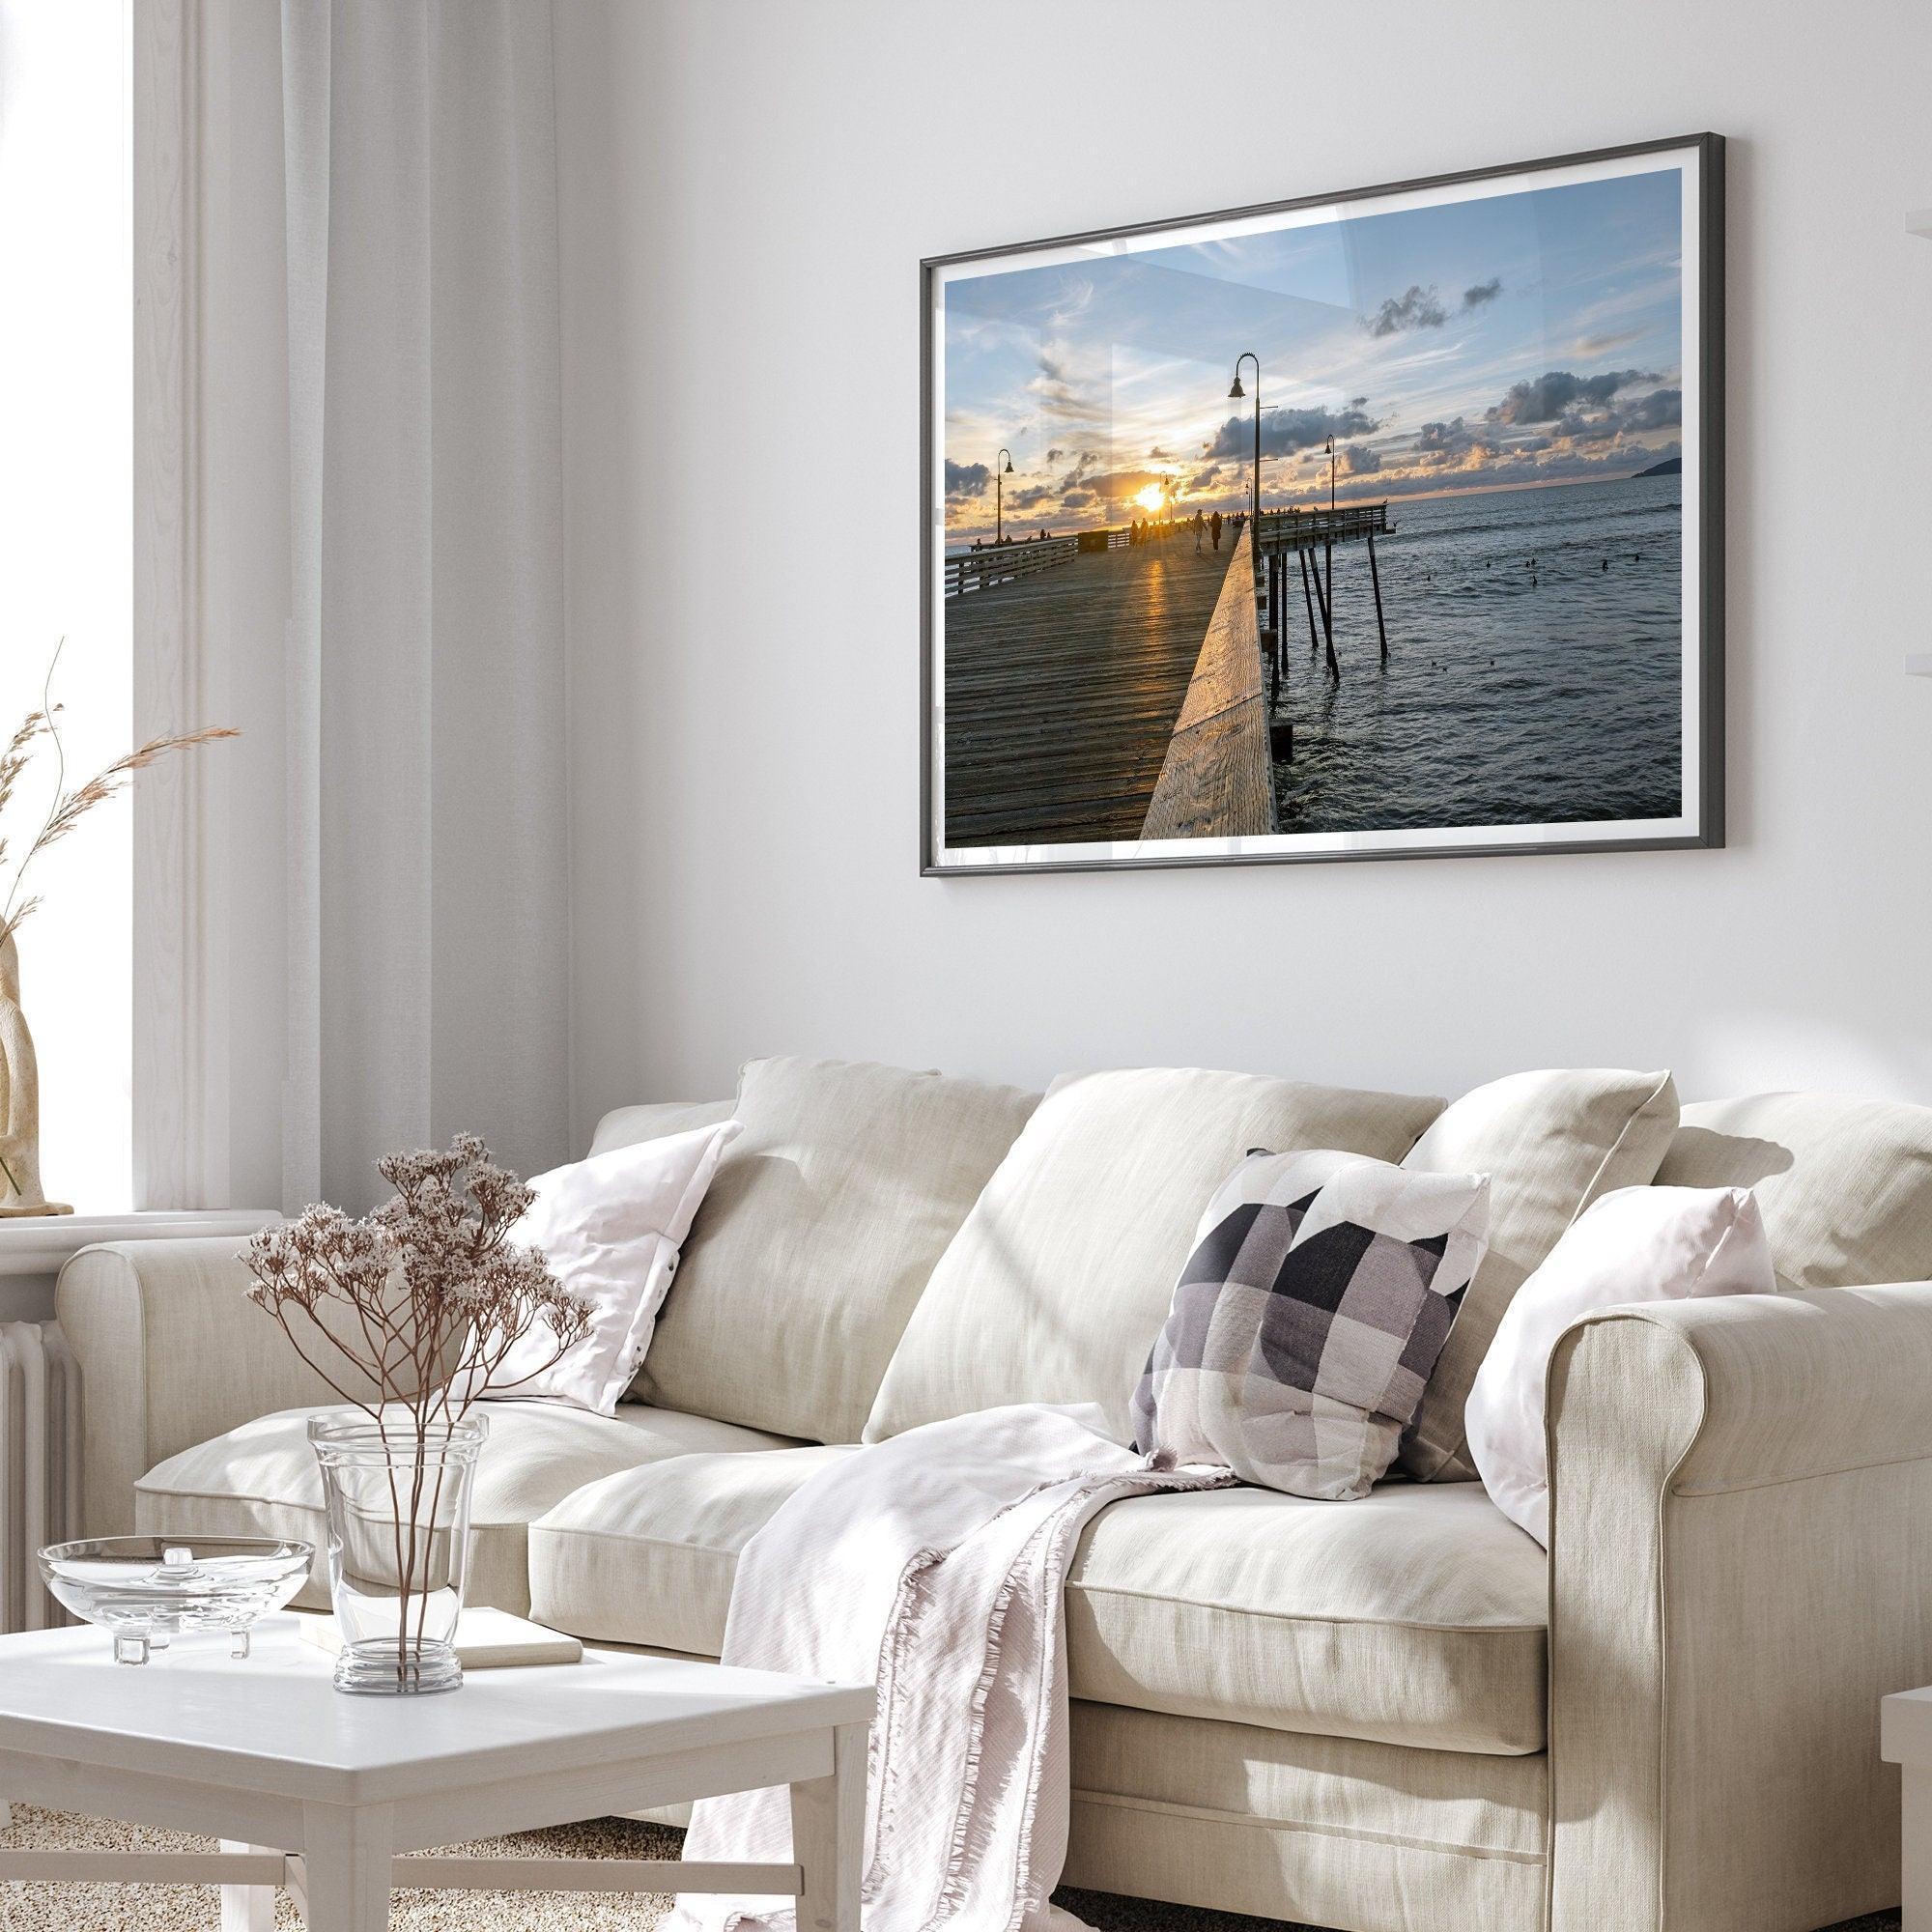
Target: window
x=66 y=545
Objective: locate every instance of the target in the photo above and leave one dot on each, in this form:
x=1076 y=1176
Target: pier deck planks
x=1062 y=693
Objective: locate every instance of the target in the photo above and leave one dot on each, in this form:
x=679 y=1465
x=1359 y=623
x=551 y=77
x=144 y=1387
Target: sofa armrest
x=171 y=1352
x=1741 y=1490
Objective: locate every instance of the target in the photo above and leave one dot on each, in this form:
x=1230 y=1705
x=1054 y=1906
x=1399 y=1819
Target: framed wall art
x=1364 y=525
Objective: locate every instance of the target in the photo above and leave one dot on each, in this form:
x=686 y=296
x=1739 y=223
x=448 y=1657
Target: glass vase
x=397 y=1495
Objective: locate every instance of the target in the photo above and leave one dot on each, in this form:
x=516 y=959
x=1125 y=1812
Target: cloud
x=1416 y=308
x=1576 y=426
x=966 y=479
x=1483 y=292
x=1157 y=454
x=1031 y=496
x=1454 y=442
x=1054 y=455
x=1076 y=297
x=1061 y=398
x=1660 y=409
x=1360 y=460
x=1545 y=397
x=1115 y=485
x=1075 y=499
x=1504 y=471
x=1084 y=465
x=1284 y=432
x=1593 y=346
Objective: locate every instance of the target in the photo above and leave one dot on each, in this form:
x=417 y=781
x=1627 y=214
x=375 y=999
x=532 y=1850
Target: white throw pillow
x=612 y=1227
x=1638 y=1244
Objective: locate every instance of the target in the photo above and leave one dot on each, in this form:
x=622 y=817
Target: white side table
x=316 y=1791
x=1905 y=1739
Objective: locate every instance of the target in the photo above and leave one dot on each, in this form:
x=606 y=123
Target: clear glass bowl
x=145 y=1590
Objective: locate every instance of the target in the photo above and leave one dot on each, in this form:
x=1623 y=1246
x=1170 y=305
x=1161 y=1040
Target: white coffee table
x=320 y=1792
x=1905 y=1739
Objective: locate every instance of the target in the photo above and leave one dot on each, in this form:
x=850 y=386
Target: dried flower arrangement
x=69 y=806
x=437 y=1292
x=20 y=1077
x=425 y=1298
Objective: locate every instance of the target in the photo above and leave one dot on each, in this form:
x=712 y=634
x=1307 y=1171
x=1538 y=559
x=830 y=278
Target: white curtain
x=427 y=914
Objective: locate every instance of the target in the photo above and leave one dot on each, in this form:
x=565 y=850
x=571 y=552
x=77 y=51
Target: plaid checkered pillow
x=1305 y=1324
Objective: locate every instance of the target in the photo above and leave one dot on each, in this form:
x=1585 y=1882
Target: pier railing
x=1305 y=529
x=969 y=570
x=1025 y=556
x=1217 y=779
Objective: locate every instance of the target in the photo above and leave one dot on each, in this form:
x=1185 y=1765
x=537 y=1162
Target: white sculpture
x=19 y=1101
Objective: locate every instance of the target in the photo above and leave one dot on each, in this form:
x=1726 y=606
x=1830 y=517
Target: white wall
x=747 y=188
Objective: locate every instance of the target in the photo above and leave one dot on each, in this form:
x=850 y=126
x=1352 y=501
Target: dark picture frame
x=1013 y=663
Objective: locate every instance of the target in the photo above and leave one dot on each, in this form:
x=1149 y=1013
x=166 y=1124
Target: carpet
x=188 y=1908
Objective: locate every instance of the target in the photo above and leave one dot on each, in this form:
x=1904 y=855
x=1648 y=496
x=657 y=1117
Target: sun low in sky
x=1512 y=339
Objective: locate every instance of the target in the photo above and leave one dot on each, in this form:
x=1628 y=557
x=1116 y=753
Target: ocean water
x=1534 y=673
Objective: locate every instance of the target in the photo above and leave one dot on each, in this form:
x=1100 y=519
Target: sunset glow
x=1492 y=343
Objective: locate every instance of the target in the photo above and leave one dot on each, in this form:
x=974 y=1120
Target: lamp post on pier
x=1234 y=394
x=1005 y=456
x=1329 y=549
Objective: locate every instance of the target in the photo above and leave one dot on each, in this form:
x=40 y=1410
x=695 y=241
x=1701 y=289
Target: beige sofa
x=1397 y=1712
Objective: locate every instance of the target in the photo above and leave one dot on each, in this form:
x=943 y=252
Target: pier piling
x=1324 y=595
x=1375 y=578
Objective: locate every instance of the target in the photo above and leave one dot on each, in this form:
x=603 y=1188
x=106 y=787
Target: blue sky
x=1526 y=338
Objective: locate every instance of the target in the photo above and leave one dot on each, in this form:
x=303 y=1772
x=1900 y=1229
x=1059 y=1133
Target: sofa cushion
x=1844 y=1184
x=816 y=1238
x=626 y=1126
x=262 y=1480
x=1284 y=1826
x=1061 y=1278
x=624 y=1561
x=1414 y=1616
x=1552 y=1142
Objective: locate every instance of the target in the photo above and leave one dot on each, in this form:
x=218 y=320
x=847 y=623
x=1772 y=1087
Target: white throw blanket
x=933 y=1563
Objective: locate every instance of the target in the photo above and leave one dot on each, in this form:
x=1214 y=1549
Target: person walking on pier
x=1216 y=527
x=1200 y=529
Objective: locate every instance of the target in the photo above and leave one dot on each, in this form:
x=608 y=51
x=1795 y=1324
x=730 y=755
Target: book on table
x=486 y=1640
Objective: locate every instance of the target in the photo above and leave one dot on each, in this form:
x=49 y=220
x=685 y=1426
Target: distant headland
x=1671 y=465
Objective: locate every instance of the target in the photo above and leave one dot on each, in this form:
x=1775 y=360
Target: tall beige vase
x=19 y=1101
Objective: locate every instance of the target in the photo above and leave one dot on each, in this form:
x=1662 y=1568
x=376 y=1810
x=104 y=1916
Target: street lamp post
x=1328 y=558
x=1235 y=393
x=1005 y=456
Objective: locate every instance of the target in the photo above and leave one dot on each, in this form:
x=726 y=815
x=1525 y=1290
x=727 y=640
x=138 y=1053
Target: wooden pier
x=1217 y=781
x=1063 y=688
x=1312 y=529
x=1299 y=534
